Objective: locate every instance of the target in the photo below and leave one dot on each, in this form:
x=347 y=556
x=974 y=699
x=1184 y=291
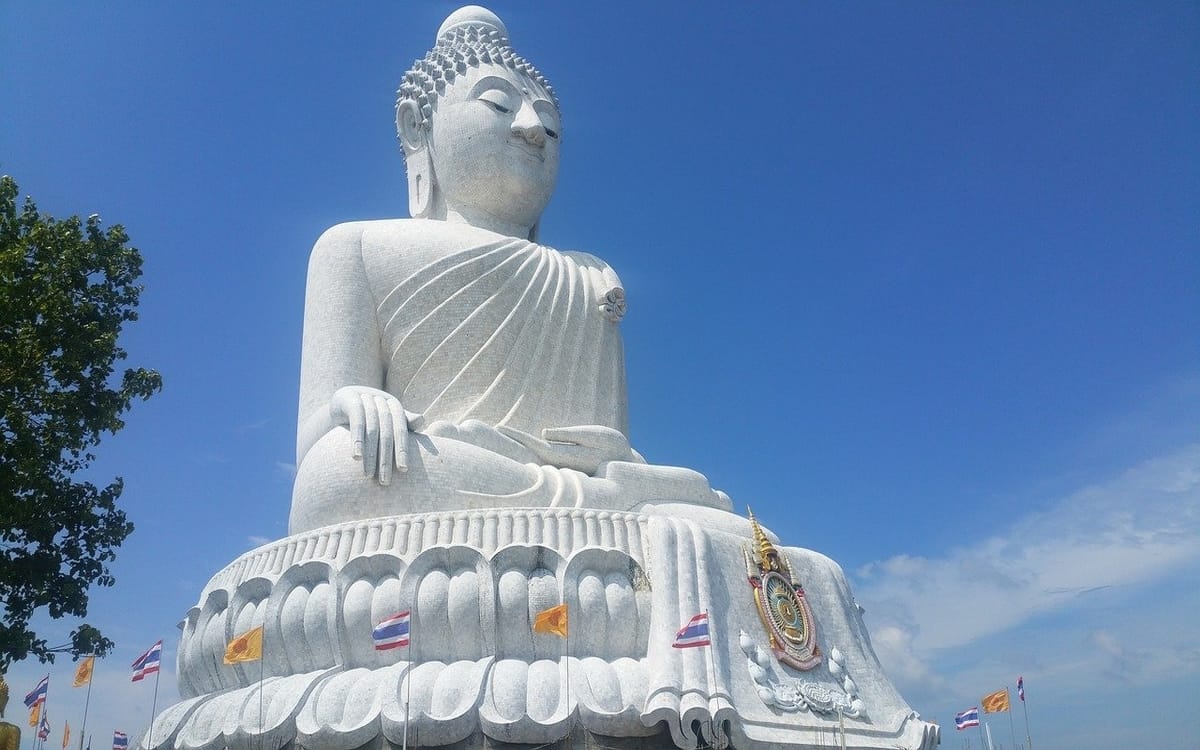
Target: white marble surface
x=462 y=452
x=474 y=581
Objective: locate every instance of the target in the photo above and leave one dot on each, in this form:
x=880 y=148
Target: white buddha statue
x=449 y=360
x=463 y=456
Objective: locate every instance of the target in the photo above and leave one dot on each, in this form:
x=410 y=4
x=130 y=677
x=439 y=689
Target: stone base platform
x=476 y=675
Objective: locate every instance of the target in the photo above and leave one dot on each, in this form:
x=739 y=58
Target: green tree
x=66 y=289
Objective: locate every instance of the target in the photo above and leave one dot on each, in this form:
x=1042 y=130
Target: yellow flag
x=996 y=702
x=83 y=673
x=553 y=620
x=246 y=647
x=35 y=713
x=66 y=734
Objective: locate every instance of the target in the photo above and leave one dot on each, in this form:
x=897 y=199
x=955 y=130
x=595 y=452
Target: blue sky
x=918 y=282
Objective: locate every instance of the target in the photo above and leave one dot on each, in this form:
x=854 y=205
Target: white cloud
x=252 y=426
x=1117 y=534
x=257 y=541
x=893 y=645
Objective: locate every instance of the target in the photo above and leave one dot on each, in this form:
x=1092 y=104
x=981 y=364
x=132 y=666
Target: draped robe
x=505 y=331
x=471 y=331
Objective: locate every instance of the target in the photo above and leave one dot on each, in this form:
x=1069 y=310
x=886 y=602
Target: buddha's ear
x=408 y=125
x=418 y=163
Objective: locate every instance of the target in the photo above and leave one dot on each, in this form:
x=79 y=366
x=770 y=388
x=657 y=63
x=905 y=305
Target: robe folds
x=474 y=333
x=507 y=332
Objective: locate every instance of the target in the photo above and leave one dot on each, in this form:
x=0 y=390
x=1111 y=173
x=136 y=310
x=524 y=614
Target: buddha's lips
x=537 y=152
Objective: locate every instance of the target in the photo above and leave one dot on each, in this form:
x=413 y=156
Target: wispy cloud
x=251 y=426
x=1132 y=529
x=288 y=470
x=257 y=541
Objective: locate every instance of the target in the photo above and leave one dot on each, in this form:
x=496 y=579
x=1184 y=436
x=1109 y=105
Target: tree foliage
x=66 y=289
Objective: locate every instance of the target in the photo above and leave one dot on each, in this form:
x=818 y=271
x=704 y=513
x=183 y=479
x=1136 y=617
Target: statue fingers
x=370 y=454
x=561 y=435
x=387 y=439
x=566 y=454
x=347 y=408
x=400 y=430
x=572 y=456
x=535 y=444
x=609 y=442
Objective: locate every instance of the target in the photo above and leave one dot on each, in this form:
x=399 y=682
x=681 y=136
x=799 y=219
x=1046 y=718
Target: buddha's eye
x=551 y=133
x=497 y=100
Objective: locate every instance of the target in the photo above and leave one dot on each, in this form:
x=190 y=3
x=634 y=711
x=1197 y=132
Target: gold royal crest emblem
x=781 y=604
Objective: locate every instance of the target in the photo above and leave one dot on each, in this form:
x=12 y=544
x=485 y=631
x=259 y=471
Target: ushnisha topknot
x=470 y=36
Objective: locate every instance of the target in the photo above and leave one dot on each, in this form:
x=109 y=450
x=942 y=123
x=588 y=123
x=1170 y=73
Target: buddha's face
x=494 y=143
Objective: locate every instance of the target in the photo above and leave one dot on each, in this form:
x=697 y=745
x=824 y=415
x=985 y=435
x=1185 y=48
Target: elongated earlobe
x=420 y=184
x=419 y=164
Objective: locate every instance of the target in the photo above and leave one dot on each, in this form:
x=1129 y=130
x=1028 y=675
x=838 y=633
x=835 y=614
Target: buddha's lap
x=448 y=474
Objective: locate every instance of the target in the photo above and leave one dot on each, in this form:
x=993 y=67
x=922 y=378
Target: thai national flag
x=1021 y=688
x=37 y=696
x=694 y=634
x=44 y=726
x=967 y=719
x=120 y=741
x=147 y=663
x=392 y=631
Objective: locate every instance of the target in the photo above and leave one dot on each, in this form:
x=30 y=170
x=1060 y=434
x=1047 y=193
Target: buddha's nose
x=528 y=125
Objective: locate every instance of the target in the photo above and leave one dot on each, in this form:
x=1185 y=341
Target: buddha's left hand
x=378 y=428
x=583 y=448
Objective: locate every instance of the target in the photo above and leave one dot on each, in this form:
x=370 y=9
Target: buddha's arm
x=341 y=368
x=583 y=448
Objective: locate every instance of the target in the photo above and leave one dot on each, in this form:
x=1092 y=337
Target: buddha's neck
x=484 y=220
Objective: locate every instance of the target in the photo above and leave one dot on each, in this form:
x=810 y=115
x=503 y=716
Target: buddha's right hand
x=378 y=428
x=582 y=448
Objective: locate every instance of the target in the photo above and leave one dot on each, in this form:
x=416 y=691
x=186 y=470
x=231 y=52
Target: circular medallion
x=781 y=604
x=785 y=610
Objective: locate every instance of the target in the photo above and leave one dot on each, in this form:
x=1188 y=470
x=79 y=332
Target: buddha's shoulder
x=421 y=235
x=353 y=236
x=418 y=239
x=401 y=235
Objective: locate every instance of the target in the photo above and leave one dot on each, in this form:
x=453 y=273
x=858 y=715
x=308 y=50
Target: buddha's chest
x=513 y=279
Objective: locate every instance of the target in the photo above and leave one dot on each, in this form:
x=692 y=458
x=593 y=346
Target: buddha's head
x=480 y=129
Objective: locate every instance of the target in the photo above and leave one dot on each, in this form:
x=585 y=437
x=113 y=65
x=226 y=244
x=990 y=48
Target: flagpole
x=1028 y=739
x=1011 y=724
x=712 y=684
x=982 y=740
x=408 y=687
x=45 y=707
x=153 y=708
x=87 y=701
x=570 y=726
x=262 y=670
